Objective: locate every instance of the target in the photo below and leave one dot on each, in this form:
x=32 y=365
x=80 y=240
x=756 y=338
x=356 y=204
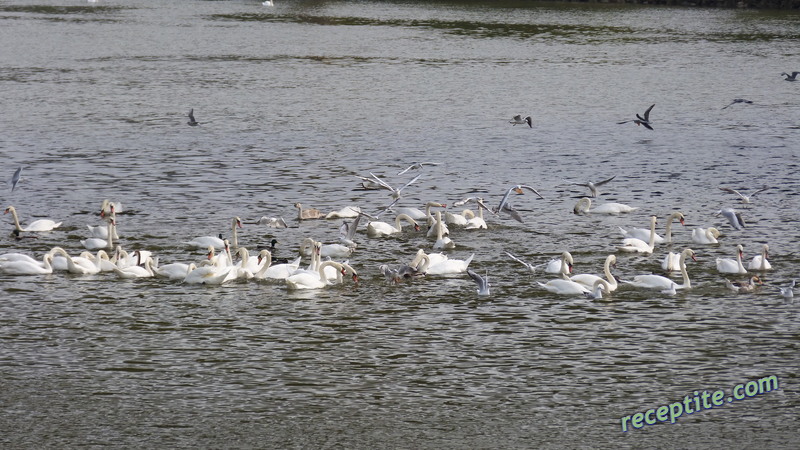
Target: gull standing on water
x=639 y=120
x=518 y=120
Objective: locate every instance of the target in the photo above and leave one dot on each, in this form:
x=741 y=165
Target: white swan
x=174 y=271
x=598 y=287
x=348 y=212
x=217 y=242
x=378 y=229
x=27 y=267
x=705 y=235
x=591 y=281
x=562 y=265
x=309 y=281
x=638 y=245
x=36 y=225
x=643 y=234
x=444 y=267
x=277 y=271
x=136 y=271
x=81 y=265
x=326 y=250
x=564 y=287
x=94 y=243
x=727 y=265
x=671 y=262
x=583 y=207
x=442 y=241
x=212 y=274
x=458 y=219
x=418 y=214
x=477 y=223
x=760 y=262
x=651 y=281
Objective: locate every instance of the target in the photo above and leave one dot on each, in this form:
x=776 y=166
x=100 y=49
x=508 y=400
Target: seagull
x=271 y=222
x=417 y=165
x=15 y=178
x=395 y=192
x=788 y=291
x=482 y=282
x=527 y=265
x=348 y=231
x=738 y=100
x=639 y=120
x=268 y=3
x=734 y=217
x=505 y=206
x=792 y=77
x=745 y=198
x=518 y=120
x=592 y=186
x=192 y=122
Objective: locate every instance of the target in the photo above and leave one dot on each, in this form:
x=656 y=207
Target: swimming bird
x=268 y=3
x=482 y=282
x=749 y=286
x=475 y=223
x=727 y=265
x=734 y=217
x=564 y=287
x=792 y=77
x=348 y=212
x=442 y=241
x=22 y=267
x=652 y=281
x=518 y=120
x=584 y=206
x=738 y=100
x=307 y=213
x=644 y=234
x=638 y=245
x=36 y=225
x=192 y=122
x=378 y=229
x=639 y=120
x=788 y=291
x=592 y=186
x=760 y=262
x=504 y=206
x=598 y=288
x=745 y=198
x=705 y=235
x=417 y=165
x=590 y=280
x=15 y=178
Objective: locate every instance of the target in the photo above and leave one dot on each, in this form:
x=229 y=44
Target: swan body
x=477 y=222
x=271 y=222
x=348 y=212
x=27 y=267
x=671 y=262
x=442 y=241
x=446 y=266
x=644 y=234
x=598 y=287
x=309 y=281
x=705 y=235
x=174 y=271
x=217 y=242
x=584 y=206
x=136 y=271
x=650 y=281
x=36 y=225
x=277 y=271
x=726 y=265
x=81 y=265
x=94 y=243
x=378 y=229
x=638 y=245
x=564 y=287
x=591 y=281
x=760 y=262
x=307 y=213
x=326 y=250
x=562 y=265
x=212 y=274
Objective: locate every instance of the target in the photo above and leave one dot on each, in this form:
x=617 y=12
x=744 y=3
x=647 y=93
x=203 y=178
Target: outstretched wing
x=647 y=113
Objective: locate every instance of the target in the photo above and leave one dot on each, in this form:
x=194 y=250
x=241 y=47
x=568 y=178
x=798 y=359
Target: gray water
x=299 y=99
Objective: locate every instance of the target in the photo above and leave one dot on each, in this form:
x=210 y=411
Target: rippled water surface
x=297 y=100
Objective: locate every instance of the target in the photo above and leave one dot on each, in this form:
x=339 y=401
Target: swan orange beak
x=683 y=222
x=355 y=278
x=416 y=227
x=694 y=258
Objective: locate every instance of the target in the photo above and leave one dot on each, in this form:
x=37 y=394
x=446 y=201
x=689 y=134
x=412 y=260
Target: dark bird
x=15 y=178
x=518 y=120
x=639 y=120
x=738 y=100
x=192 y=122
x=792 y=77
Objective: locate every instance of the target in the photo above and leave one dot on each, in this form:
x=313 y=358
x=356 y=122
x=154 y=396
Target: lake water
x=297 y=100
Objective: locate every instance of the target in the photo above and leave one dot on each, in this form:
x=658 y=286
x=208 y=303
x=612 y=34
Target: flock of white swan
x=227 y=261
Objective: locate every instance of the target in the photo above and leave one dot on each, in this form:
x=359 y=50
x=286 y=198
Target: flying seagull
x=395 y=192
x=417 y=165
x=518 y=120
x=745 y=198
x=733 y=217
x=639 y=120
x=482 y=282
x=738 y=100
x=192 y=122
x=792 y=77
x=15 y=178
x=504 y=206
x=592 y=186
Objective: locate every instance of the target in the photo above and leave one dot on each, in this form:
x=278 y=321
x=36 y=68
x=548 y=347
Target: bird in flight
x=417 y=165
x=192 y=122
x=15 y=178
x=738 y=100
x=745 y=198
x=518 y=120
x=639 y=120
x=482 y=282
x=792 y=77
x=592 y=186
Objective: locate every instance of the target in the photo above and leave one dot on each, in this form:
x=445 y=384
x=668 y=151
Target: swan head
x=10 y=209
x=714 y=232
x=582 y=207
x=612 y=261
x=689 y=253
x=740 y=250
x=765 y=251
x=679 y=215
x=238 y=222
